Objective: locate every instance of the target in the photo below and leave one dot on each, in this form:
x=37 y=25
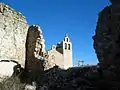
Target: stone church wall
x=55 y=57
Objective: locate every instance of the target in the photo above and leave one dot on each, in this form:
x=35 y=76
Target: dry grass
x=11 y=83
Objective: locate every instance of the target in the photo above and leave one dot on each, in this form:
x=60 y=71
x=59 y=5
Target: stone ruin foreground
x=13 y=31
x=15 y=35
x=107 y=36
x=24 y=44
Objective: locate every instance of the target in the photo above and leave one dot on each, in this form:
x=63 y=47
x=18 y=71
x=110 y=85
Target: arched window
x=67 y=40
x=65 y=45
x=68 y=46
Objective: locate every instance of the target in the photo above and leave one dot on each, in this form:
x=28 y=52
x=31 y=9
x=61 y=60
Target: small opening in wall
x=64 y=39
x=67 y=39
x=65 y=45
x=68 y=46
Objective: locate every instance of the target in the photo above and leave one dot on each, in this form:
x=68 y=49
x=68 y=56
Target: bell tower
x=67 y=52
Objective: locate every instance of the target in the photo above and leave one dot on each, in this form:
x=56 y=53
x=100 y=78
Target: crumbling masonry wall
x=33 y=50
x=107 y=36
x=13 y=31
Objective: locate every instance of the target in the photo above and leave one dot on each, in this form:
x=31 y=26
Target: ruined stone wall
x=13 y=31
x=33 y=49
x=107 y=36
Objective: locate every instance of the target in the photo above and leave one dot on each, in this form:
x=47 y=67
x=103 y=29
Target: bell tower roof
x=66 y=35
x=66 y=38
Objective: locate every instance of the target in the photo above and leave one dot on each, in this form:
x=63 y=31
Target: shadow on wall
x=33 y=65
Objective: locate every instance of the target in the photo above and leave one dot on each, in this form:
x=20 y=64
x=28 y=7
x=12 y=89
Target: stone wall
x=13 y=31
x=55 y=58
x=33 y=49
x=107 y=36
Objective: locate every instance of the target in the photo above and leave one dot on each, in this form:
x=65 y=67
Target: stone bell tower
x=67 y=52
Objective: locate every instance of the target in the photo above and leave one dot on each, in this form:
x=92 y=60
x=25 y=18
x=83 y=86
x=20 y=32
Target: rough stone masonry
x=107 y=37
x=25 y=45
x=13 y=31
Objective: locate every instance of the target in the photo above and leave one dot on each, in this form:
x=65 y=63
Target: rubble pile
x=59 y=79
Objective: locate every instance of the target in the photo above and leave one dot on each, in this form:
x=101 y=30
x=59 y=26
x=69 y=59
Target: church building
x=60 y=54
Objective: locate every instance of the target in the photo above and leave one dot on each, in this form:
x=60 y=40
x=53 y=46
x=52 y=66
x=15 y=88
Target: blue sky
x=56 y=17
